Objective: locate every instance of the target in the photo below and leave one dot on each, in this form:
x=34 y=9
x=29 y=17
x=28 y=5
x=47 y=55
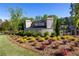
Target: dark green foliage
x=44 y=17
x=46 y=33
x=38 y=18
x=5 y=26
x=21 y=33
x=56 y=24
x=35 y=34
x=15 y=18
x=57 y=27
x=52 y=34
x=75 y=14
x=28 y=33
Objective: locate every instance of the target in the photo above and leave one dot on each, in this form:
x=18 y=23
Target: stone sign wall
x=41 y=25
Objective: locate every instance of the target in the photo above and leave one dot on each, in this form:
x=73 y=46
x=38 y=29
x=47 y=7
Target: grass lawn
x=9 y=49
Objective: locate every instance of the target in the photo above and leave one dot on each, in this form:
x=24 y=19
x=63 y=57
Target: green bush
x=52 y=34
x=35 y=34
x=47 y=37
x=21 y=33
x=46 y=34
x=28 y=33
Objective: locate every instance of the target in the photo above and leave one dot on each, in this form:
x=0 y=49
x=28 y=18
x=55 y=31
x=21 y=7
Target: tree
x=15 y=18
x=72 y=10
x=44 y=17
x=31 y=19
x=5 y=26
x=57 y=27
x=24 y=18
x=66 y=21
x=75 y=15
x=55 y=18
x=21 y=25
x=37 y=18
x=57 y=23
x=0 y=20
x=1 y=24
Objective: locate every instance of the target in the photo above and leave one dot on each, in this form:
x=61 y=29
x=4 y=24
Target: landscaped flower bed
x=58 y=45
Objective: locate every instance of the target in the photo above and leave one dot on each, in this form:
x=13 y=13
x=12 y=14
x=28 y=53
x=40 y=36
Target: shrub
x=35 y=34
x=20 y=33
x=52 y=34
x=58 y=37
x=40 y=39
x=35 y=44
x=54 y=38
x=28 y=33
x=47 y=37
x=31 y=39
x=46 y=33
x=24 y=33
x=22 y=40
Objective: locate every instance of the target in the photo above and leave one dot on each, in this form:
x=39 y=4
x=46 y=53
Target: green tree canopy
x=15 y=18
x=75 y=14
x=44 y=17
x=5 y=26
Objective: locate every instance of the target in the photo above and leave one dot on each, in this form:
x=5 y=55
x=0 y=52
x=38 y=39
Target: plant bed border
x=26 y=46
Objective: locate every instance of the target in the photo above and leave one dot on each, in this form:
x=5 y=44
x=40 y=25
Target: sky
x=36 y=9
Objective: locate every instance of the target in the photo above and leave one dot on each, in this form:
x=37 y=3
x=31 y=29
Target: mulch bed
x=26 y=46
x=48 y=49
